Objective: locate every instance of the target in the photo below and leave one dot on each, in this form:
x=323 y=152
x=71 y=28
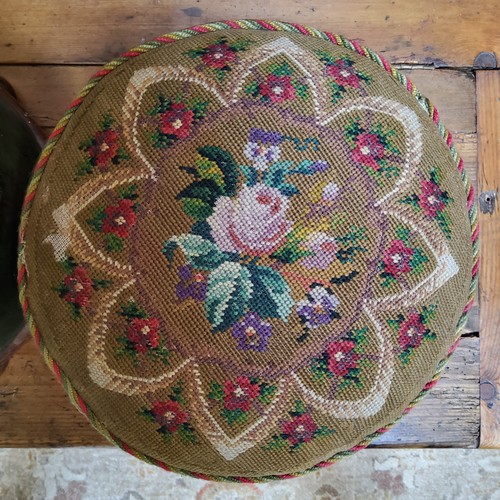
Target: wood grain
x=91 y=31
x=35 y=411
x=488 y=119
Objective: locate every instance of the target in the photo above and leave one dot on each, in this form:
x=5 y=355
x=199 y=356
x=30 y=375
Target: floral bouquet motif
x=242 y=235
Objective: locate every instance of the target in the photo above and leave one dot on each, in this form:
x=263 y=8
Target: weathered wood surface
x=35 y=411
x=91 y=31
x=488 y=119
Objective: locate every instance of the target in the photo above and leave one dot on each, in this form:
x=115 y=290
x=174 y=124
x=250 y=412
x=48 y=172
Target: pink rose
x=254 y=223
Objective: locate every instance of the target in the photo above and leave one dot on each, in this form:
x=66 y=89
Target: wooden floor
x=49 y=48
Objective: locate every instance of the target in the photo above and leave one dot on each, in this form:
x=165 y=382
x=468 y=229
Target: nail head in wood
x=487 y=201
x=485 y=60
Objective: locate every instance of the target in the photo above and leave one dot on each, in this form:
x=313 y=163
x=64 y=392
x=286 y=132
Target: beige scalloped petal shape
x=99 y=368
x=413 y=142
x=300 y=58
x=70 y=235
x=232 y=447
x=446 y=266
x=137 y=86
x=375 y=399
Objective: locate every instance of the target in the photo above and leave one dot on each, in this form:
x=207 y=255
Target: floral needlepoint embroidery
x=78 y=287
x=279 y=85
x=342 y=74
x=299 y=430
x=344 y=360
x=176 y=118
x=319 y=308
x=192 y=284
x=102 y=149
x=412 y=330
x=239 y=398
x=323 y=251
x=401 y=258
x=142 y=335
x=252 y=333
x=373 y=149
x=263 y=148
x=171 y=418
x=116 y=220
x=219 y=56
x=432 y=201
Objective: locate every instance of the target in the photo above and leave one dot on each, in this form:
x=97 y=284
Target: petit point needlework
x=247 y=249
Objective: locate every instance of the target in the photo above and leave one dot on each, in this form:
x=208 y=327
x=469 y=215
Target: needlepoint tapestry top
x=248 y=251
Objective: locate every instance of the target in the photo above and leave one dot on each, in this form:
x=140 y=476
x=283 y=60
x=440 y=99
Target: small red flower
x=177 y=120
x=119 y=218
x=368 y=150
x=278 y=88
x=430 y=199
x=169 y=415
x=218 y=55
x=143 y=333
x=104 y=148
x=300 y=430
x=342 y=357
x=240 y=395
x=397 y=258
x=411 y=332
x=344 y=75
x=79 y=286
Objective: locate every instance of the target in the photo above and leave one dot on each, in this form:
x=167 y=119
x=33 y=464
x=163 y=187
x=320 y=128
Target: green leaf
x=196 y=208
x=323 y=431
x=207 y=169
x=234 y=416
x=250 y=173
x=226 y=164
x=403 y=234
x=97 y=219
x=205 y=190
x=113 y=243
x=216 y=391
x=266 y=393
x=201 y=253
x=272 y=296
x=228 y=294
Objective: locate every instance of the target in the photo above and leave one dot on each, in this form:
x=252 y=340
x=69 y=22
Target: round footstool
x=247 y=249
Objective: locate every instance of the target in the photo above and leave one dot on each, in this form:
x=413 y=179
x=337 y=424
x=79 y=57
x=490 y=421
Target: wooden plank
x=35 y=411
x=449 y=414
x=83 y=31
x=488 y=118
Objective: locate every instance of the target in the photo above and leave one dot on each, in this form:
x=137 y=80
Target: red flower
x=169 y=415
x=368 y=150
x=397 y=258
x=79 y=287
x=218 y=55
x=344 y=75
x=143 y=333
x=177 y=121
x=342 y=357
x=411 y=331
x=278 y=88
x=300 y=430
x=119 y=218
x=104 y=148
x=430 y=200
x=240 y=395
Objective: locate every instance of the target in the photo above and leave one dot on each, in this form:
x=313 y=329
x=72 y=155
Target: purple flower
x=319 y=308
x=263 y=147
x=192 y=284
x=252 y=333
x=330 y=192
x=320 y=166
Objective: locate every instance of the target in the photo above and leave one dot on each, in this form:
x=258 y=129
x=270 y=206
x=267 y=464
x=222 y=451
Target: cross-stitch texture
x=250 y=249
